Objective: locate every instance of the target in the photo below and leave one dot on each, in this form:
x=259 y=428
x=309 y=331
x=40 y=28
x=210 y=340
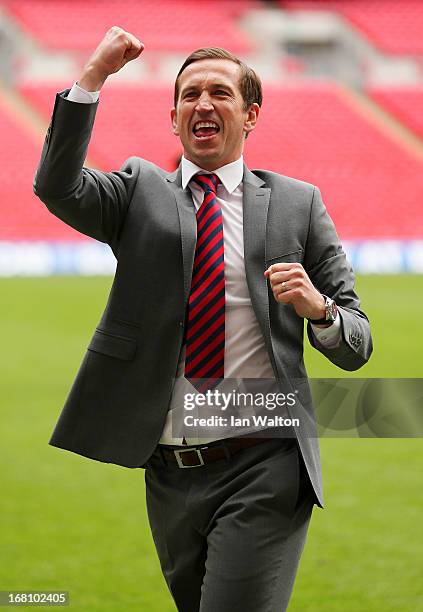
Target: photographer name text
x=232 y=421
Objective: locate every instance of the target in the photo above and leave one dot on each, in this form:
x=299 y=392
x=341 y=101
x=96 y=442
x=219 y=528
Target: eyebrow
x=213 y=85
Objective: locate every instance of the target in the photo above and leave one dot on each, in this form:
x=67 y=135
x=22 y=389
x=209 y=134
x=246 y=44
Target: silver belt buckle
x=178 y=454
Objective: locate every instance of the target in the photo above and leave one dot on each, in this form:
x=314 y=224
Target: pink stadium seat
x=372 y=186
x=393 y=26
x=168 y=25
x=405 y=103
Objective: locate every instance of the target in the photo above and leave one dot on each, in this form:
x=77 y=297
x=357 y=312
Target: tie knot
x=207 y=182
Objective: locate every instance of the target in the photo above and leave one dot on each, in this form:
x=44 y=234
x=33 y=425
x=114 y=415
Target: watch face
x=331 y=310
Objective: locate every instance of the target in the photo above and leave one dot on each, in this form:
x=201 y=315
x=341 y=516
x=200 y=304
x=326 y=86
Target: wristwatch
x=331 y=312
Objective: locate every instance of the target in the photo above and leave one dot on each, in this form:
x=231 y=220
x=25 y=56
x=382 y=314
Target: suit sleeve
x=93 y=202
x=331 y=273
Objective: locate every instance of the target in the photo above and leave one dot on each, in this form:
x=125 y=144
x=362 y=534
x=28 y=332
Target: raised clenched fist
x=116 y=49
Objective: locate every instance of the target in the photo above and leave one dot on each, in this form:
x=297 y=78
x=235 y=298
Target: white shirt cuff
x=77 y=94
x=328 y=337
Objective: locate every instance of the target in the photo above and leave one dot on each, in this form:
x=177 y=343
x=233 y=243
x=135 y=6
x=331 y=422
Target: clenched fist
x=291 y=284
x=115 y=50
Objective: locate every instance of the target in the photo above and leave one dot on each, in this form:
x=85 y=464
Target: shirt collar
x=230 y=175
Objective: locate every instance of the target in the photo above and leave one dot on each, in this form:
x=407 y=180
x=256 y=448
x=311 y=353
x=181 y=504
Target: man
x=217 y=269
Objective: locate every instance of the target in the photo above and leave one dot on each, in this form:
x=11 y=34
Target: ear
x=174 y=122
x=251 y=118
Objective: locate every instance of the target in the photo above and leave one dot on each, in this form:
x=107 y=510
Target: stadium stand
x=131 y=120
x=170 y=25
x=308 y=131
x=22 y=217
x=367 y=163
x=393 y=27
x=371 y=185
x=405 y=103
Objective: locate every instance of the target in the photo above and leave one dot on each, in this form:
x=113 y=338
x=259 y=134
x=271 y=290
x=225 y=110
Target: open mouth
x=205 y=129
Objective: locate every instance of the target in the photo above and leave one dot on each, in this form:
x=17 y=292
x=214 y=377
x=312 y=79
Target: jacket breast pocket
x=113 y=345
x=294 y=256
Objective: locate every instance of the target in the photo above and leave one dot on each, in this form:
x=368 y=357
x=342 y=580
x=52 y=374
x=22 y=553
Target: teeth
x=205 y=124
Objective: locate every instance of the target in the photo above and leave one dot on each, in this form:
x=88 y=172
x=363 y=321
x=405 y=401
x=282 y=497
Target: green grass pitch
x=73 y=524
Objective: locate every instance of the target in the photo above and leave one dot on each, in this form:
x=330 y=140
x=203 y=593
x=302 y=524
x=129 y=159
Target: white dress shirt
x=245 y=352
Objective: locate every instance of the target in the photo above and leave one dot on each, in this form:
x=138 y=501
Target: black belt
x=202 y=455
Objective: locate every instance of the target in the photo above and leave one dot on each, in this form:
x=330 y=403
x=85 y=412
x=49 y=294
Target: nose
x=204 y=103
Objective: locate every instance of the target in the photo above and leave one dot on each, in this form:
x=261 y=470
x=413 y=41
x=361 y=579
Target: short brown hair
x=249 y=81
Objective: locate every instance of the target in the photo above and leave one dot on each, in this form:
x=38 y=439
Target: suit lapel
x=256 y=200
x=188 y=224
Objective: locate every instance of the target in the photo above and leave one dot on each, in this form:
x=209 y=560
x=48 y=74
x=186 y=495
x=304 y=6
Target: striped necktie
x=205 y=333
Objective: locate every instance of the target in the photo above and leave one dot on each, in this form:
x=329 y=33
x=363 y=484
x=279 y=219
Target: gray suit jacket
x=117 y=406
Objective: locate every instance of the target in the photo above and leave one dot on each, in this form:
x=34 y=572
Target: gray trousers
x=229 y=535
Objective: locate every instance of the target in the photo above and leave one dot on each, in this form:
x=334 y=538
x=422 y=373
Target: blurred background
x=343 y=101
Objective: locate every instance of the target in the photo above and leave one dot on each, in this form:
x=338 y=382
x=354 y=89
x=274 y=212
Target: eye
x=221 y=92
x=190 y=94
